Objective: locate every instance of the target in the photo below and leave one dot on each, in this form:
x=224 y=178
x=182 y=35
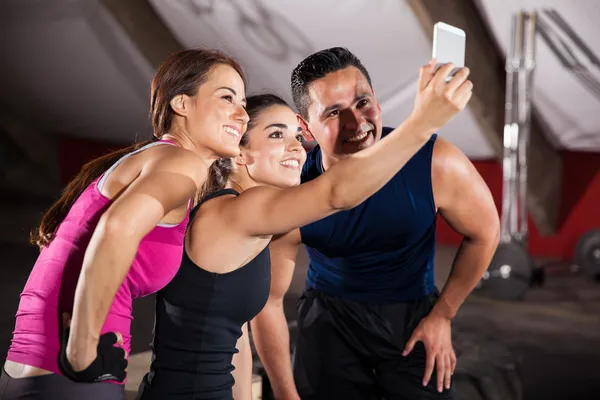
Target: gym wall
x=579 y=208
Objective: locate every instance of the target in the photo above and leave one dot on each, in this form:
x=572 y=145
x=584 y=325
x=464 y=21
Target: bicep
x=284 y=250
x=463 y=198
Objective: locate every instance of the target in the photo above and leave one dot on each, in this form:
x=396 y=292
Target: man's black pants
x=348 y=350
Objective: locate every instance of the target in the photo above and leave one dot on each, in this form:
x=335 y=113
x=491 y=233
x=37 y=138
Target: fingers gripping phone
x=449 y=46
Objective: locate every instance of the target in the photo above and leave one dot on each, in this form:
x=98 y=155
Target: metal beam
x=487 y=64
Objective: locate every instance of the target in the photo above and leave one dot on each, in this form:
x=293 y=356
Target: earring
x=241 y=160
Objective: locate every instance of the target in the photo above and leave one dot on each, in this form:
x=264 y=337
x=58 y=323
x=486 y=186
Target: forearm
x=357 y=177
x=107 y=260
x=471 y=261
x=272 y=340
x=242 y=374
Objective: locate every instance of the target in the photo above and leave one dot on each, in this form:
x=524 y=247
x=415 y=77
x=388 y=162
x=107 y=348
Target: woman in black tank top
x=200 y=340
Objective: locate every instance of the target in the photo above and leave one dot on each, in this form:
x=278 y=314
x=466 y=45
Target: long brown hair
x=220 y=170
x=181 y=73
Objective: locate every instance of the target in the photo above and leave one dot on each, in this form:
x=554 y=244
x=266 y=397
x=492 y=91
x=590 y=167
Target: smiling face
x=217 y=118
x=274 y=154
x=344 y=116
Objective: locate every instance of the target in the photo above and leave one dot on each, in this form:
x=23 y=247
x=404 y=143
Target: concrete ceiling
x=70 y=68
x=271 y=37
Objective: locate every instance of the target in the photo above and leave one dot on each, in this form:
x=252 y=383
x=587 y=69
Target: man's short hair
x=316 y=66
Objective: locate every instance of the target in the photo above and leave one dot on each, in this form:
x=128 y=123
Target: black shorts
x=349 y=350
x=57 y=387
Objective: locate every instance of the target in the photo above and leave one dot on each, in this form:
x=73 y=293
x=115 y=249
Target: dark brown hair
x=220 y=170
x=181 y=73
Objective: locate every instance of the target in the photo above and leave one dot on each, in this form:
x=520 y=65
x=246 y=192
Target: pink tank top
x=50 y=289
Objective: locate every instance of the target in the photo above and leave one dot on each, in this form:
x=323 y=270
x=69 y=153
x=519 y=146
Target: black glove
x=110 y=363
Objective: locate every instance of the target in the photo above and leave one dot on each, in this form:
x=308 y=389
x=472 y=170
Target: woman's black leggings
x=56 y=387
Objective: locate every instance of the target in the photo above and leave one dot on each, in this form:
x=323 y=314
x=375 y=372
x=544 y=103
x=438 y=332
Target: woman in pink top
x=116 y=233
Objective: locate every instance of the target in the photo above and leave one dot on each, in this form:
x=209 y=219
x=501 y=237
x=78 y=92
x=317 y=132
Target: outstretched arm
x=162 y=186
x=351 y=181
x=269 y=328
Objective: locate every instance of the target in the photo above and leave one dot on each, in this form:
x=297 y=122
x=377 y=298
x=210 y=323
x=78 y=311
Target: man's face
x=344 y=116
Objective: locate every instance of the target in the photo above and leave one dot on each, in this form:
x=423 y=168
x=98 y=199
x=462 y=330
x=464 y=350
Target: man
x=371 y=323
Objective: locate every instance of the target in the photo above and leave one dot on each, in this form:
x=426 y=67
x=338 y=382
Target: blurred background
x=74 y=84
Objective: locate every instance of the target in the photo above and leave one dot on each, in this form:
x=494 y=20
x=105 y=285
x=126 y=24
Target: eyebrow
x=228 y=88
x=338 y=105
x=281 y=126
x=232 y=91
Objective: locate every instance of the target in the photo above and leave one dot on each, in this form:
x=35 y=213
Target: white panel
x=571 y=111
x=270 y=38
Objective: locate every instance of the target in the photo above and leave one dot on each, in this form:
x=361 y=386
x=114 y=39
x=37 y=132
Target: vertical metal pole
x=525 y=99
x=508 y=127
x=517 y=134
x=520 y=95
x=520 y=63
x=511 y=132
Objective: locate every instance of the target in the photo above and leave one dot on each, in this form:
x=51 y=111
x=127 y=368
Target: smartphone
x=449 y=46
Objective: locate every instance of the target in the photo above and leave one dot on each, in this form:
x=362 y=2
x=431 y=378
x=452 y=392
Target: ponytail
x=43 y=235
x=218 y=176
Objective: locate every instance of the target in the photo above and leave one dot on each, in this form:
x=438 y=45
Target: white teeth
x=358 y=137
x=290 y=163
x=232 y=131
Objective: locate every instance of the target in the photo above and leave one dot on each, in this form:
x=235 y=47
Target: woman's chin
x=227 y=151
x=280 y=183
x=288 y=183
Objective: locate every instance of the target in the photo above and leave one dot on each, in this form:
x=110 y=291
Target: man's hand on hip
x=436 y=334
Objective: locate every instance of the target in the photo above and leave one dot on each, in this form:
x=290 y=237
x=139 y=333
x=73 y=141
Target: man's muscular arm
x=465 y=202
x=269 y=328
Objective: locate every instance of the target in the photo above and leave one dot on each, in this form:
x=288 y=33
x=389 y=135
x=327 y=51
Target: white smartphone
x=449 y=46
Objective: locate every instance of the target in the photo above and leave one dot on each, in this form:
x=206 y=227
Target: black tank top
x=199 y=316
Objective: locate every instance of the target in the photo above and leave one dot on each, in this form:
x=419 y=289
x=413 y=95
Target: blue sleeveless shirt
x=381 y=251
